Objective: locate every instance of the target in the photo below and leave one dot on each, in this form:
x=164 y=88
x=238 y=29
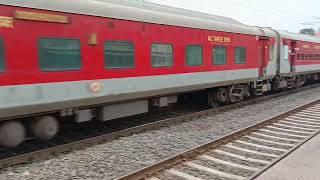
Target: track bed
x=241 y=155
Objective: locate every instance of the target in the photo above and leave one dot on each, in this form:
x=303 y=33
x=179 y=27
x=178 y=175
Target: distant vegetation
x=309 y=31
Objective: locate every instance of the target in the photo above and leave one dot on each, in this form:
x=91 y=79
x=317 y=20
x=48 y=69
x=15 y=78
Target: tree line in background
x=309 y=31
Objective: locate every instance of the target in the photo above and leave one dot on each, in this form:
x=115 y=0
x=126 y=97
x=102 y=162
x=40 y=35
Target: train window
x=119 y=54
x=219 y=55
x=302 y=57
x=286 y=52
x=194 y=55
x=271 y=48
x=1 y=56
x=59 y=54
x=162 y=55
x=298 y=56
x=240 y=55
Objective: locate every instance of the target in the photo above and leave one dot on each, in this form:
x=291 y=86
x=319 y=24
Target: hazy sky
x=279 y=14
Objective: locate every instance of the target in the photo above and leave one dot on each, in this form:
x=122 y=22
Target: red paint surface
x=21 y=48
x=312 y=49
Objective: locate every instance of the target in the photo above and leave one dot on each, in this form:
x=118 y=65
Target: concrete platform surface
x=303 y=164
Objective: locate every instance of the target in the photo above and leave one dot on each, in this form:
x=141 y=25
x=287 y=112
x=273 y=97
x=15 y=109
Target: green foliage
x=309 y=31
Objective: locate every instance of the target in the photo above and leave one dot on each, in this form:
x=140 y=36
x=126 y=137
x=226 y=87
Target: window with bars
x=59 y=54
x=119 y=55
x=240 y=55
x=219 y=55
x=162 y=55
x=194 y=55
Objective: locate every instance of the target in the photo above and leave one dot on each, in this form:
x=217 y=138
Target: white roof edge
x=173 y=10
x=299 y=37
x=118 y=11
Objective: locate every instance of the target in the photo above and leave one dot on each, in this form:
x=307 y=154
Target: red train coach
x=92 y=60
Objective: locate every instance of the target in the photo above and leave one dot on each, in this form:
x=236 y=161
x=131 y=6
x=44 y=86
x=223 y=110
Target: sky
x=279 y=14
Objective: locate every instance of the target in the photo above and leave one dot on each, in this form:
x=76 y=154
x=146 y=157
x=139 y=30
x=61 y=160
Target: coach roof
x=299 y=37
x=129 y=11
x=172 y=10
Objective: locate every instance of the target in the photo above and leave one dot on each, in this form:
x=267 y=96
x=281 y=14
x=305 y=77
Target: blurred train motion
x=100 y=60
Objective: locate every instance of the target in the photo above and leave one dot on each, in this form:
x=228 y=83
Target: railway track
x=40 y=150
x=241 y=155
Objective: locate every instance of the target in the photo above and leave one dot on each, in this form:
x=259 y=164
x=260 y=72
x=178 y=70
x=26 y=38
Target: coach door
x=263 y=49
x=293 y=56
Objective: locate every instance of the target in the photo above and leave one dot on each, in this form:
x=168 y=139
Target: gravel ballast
x=122 y=156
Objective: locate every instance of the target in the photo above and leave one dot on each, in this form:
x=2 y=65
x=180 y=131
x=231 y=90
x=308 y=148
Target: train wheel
x=45 y=128
x=12 y=134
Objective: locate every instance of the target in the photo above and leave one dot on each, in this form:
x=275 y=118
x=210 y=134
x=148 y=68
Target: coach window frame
x=120 y=41
x=186 y=54
x=2 y=56
x=214 y=55
x=151 y=55
x=235 y=55
x=61 y=70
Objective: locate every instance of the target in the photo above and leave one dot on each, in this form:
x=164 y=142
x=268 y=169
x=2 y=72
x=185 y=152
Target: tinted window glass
x=220 y=55
x=240 y=55
x=194 y=55
x=271 y=53
x=162 y=55
x=1 y=56
x=119 y=54
x=60 y=54
x=286 y=52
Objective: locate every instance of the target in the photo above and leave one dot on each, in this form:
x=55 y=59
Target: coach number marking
x=219 y=39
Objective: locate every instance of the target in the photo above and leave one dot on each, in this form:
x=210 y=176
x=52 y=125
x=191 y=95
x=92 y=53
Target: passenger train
x=98 y=60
